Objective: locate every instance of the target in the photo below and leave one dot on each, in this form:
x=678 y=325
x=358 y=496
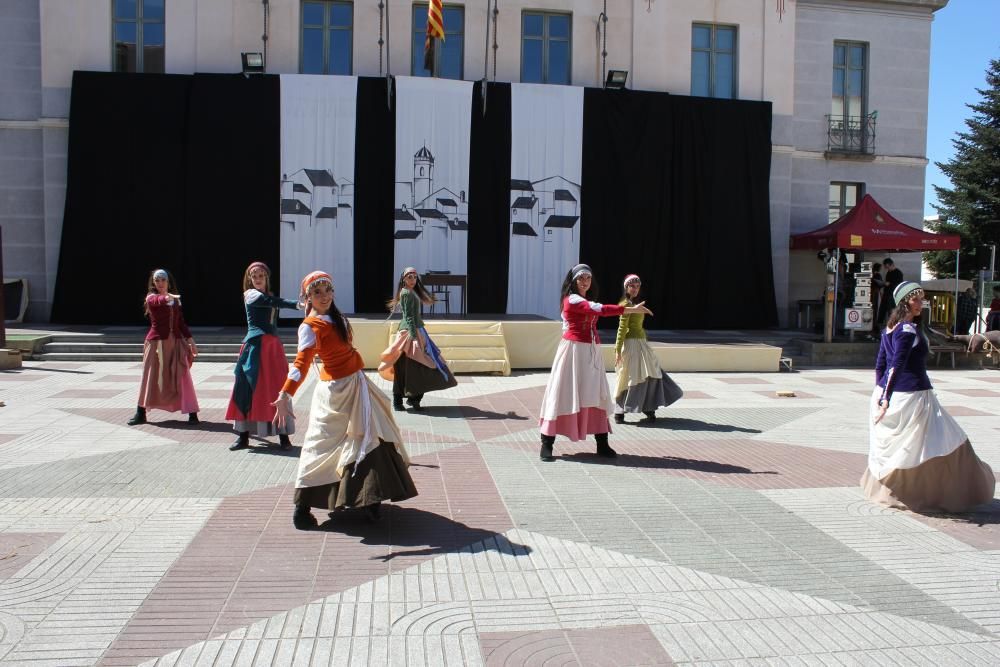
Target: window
x=713 y=60
x=546 y=40
x=327 y=38
x=137 y=29
x=844 y=197
x=450 y=54
x=850 y=64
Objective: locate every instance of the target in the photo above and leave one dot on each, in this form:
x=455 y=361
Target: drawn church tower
x=423 y=175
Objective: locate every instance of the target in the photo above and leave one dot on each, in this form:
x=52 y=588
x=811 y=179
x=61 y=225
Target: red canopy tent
x=868 y=226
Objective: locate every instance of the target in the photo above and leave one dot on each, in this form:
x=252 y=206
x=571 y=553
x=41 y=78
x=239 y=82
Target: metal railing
x=851 y=134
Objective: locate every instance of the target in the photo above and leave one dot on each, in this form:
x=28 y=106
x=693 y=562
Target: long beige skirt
x=353 y=453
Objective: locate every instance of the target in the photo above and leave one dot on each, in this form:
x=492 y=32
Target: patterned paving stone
x=965 y=411
x=976 y=393
x=249 y=563
x=18 y=549
x=744 y=380
x=730 y=532
x=775 y=395
x=621 y=645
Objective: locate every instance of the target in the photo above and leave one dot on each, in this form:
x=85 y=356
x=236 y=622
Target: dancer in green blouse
x=417 y=366
x=642 y=385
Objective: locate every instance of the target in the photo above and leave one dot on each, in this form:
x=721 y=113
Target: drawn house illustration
x=435 y=217
x=314 y=197
x=547 y=210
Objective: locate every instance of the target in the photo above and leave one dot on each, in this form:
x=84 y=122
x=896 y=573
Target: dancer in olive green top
x=417 y=366
x=642 y=385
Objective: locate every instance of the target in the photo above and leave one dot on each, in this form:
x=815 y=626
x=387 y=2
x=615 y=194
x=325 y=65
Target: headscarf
x=580 y=270
x=161 y=273
x=258 y=265
x=629 y=279
x=903 y=290
x=314 y=278
x=409 y=269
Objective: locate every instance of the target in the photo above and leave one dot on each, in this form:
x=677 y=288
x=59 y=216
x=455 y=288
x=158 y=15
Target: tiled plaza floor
x=730 y=532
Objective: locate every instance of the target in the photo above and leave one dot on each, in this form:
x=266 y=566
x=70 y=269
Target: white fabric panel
x=432 y=177
x=545 y=172
x=317 y=183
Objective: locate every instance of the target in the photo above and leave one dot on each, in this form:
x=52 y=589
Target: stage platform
x=489 y=344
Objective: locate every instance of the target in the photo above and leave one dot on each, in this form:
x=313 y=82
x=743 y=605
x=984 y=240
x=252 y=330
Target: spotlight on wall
x=253 y=63
x=616 y=78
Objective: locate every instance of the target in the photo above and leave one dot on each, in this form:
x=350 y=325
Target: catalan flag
x=435 y=29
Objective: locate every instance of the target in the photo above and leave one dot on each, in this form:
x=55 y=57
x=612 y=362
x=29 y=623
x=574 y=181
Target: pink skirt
x=577 y=399
x=166 y=377
x=270 y=379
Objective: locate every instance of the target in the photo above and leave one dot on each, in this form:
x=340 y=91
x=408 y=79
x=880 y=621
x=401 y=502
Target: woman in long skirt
x=577 y=400
x=413 y=362
x=167 y=354
x=353 y=453
x=261 y=368
x=642 y=385
x=919 y=458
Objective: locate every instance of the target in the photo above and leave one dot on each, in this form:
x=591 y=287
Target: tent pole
x=954 y=323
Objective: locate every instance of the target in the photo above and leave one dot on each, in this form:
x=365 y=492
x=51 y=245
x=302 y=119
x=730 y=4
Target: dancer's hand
x=638 y=308
x=618 y=359
x=194 y=348
x=282 y=410
x=882 y=407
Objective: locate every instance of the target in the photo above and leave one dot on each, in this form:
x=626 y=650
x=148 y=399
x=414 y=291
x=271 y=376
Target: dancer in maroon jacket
x=167 y=354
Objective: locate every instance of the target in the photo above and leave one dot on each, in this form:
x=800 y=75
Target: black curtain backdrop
x=125 y=200
x=489 y=199
x=374 y=193
x=233 y=184
x=167 y=171
x=675 y=189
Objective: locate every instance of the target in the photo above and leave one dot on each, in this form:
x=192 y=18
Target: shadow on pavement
x=429 y=533
x=662 y=463
x=684 y=424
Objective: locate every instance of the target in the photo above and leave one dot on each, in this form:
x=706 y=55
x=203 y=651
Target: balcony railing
x=852 y=135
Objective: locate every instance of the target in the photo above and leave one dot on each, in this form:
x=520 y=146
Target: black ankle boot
x=397 y=403
x=139 y=417
x=546 y=452
x=415 y=403
x=303 y=519
x=284 y=442
x=603 y=449
x=619 y=418
x=193 y=418
x=242 y=442
x=649 y=418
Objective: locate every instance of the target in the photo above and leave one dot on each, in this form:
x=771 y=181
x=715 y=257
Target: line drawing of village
x=544 y=240
x=431 y=224
x=317 y=228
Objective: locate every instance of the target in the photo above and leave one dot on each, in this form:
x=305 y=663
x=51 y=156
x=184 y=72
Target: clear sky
x=965 y=36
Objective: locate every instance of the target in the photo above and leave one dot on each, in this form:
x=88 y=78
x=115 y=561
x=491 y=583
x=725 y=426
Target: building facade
x=847 y=79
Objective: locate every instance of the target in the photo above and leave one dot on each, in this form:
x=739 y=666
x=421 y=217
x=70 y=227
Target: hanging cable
x=496 y=16
x=264 y=36
x=381 y=42
x=602 y=33
x=388 y=59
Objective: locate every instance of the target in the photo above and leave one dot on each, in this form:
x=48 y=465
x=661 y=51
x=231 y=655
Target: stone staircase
x=122 y=347
x=470 y=346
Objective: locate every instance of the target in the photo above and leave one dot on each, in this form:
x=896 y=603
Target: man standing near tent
x=893 y=277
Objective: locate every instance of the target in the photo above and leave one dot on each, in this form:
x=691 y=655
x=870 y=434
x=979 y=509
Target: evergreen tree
x=971 y=207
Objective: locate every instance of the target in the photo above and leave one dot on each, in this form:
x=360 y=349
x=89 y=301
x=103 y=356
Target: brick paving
x=732 y=531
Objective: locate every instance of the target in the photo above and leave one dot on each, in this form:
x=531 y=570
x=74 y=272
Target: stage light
x=253 y=63
x=616 y=78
